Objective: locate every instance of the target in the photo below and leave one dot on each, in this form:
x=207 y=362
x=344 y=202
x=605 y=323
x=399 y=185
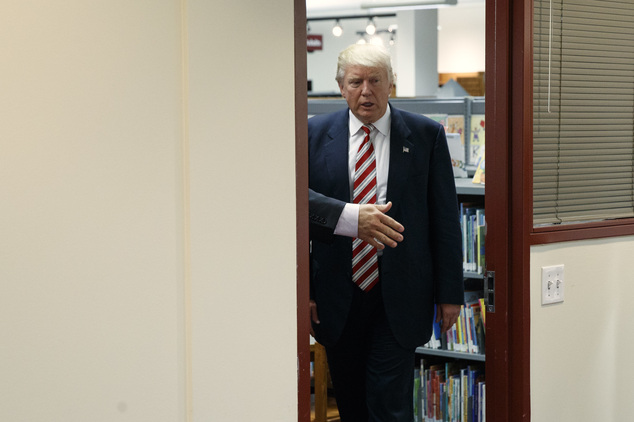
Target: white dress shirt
x=348 y=224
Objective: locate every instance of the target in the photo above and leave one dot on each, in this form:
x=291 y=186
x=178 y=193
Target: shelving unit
x=474 y=193
x=452 y=355
x=467 y=187
x=439 y=368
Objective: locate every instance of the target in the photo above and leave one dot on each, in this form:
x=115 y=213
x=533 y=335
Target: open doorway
x=498 y=116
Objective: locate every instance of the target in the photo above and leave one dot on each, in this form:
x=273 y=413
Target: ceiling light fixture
x=370 y=28
x=337 y=30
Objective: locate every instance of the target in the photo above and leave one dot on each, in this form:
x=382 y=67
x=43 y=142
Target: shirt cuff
x=348 y=224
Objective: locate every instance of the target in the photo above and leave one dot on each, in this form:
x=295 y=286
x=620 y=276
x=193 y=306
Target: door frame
x=301 y=198
x=507 y=200
x=508 y=114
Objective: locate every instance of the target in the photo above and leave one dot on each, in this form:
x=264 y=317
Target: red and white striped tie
x=365 y=267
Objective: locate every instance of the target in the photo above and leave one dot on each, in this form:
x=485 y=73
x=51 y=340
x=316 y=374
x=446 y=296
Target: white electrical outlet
x=552 y=284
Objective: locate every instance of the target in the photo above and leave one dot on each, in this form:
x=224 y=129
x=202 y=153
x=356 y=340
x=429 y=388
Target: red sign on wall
x=314 y=42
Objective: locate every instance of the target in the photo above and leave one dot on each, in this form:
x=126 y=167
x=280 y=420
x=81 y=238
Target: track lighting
x=370 y=34
x=337 y=30
x=370 y=28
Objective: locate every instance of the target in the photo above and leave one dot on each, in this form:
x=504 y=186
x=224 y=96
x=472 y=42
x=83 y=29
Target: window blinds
x=583 y=110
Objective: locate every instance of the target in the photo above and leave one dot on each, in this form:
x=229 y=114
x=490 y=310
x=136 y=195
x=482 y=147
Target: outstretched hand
x=377 y=228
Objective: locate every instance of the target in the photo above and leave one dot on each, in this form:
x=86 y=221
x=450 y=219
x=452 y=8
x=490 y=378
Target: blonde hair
x=366 y=55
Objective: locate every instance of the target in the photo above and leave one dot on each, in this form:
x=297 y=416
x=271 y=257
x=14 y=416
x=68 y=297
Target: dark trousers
x=372 y=374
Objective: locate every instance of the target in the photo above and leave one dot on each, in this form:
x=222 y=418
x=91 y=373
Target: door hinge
x=489 y=290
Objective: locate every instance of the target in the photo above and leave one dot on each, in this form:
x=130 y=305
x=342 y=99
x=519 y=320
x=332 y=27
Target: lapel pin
x=406 y=150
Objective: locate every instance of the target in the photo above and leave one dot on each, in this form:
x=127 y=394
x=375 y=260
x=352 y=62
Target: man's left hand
x=447 y=314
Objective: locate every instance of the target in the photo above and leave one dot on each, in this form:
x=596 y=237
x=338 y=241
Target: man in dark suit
x=371 y=332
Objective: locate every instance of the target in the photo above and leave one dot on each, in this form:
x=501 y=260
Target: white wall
x=134 y=251
x=461 y=38
x=242 y=169
x=581 y=365
x=91 y=309
x=417 y=48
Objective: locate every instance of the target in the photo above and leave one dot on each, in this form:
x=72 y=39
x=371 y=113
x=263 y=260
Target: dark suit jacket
x=426 y=267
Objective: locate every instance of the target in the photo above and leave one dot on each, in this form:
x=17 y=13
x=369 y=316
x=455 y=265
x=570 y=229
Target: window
x=583 y=111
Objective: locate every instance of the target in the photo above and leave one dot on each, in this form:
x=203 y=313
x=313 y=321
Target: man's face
x=366 y=89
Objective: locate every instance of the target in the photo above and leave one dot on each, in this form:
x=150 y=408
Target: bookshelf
x=470 y=337
x=450 y=384
x=467 y=187
x=473 y=276
x=451 y=354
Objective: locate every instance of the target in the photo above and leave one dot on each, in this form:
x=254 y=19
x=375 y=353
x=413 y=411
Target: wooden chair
x=321 y=382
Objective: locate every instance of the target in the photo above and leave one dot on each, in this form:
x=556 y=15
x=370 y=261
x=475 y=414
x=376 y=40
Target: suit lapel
x=401 y=152
x=336 y=153
x=337 y=156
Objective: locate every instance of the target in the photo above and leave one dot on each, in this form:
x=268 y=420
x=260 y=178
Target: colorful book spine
x=450 y=393
x=473 y=226
x=467 y=335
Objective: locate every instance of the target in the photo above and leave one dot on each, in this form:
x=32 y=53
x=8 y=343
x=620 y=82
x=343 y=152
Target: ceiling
x=316 y=8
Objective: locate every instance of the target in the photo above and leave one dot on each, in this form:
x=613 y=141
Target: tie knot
x=367 y=129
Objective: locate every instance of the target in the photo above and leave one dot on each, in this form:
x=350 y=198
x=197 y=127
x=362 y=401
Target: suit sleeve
x=324 y=213
x=445 y=224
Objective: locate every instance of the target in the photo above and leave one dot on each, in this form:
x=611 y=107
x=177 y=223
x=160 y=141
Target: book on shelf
x=476 y=140
x=478 y=176
x=473 y=226
x=417 y=397
x=481 y=227
x=468 y=334
x=455 y=124
x=484 y=314
x=457 y=153
x=450 y=392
